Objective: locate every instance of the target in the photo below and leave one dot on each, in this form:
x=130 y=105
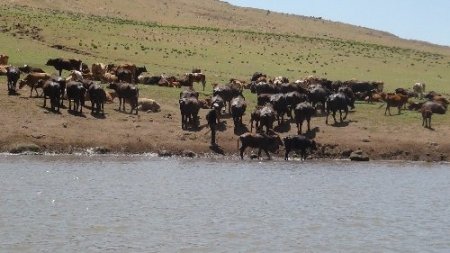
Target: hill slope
x=219 y=14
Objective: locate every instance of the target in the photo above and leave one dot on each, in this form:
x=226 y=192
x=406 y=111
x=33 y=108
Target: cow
x=97 y=95
x=131 y=71
x=109 y=78
x=76 y=93
x=98 y=71
x=189 y=108
x=61 y=64
x=394 y=100
x=337 y=102
x=280 y=106
x=298 y=142
x=34 y=80
x=12 y=75
x=4 y=59
x=148 y=105
x=303 y=111
x=52 y=90
x=62 y=86
x=227 y=92
x=262 y=87
x=197 y=78
x=350 y=95
x=75 y=75
x=255 y=116
x=267 y=117
x=361 y=86
x=261 y=141
x=263 y=99
x=294 y=98
x=218 y=104
x=124 y=75
x=28 y=69
x=427 y=110
x=257 y=76
x=318 y=94
x=238 y=107
x=126 y=91
x=145 y=79
x=189 y=93
x=419 y=89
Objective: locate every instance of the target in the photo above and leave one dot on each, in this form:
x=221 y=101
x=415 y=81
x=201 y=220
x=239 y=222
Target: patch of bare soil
x=25 y=122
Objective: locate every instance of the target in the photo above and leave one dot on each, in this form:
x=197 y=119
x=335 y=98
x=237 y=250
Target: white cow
x=419 y=89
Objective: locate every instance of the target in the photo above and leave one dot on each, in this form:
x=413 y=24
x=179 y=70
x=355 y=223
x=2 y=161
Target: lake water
x=149 y=204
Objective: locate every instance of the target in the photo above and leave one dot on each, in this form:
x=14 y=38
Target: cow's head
x=51 y=62
x=22 y=83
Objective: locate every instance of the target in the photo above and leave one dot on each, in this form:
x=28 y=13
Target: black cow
x=298 y=142
x=75 y=93
x=318 y=94
x=280 y=106
x=227 y=92
x=294 y=98
x=62 y=87
x=61 y=64
x=266 y=117
x=303 y=111
x=126 y=92
x=189 y=108
x=350 y=95
x=189 y=93
x=238 y=107
x=13 y=75
x=52 y=90
x=97 y=95
x=337 y=102
x=261 y=141
x=262 y=87
x=218 y=104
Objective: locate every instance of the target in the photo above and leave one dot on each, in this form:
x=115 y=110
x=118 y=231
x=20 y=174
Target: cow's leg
x=346 y=113
x=268 y=154
x=326 y=120
x=340 y=115
x=60 y=72
x=399 y=109
x=286 y=154
x=303 y=154
x=45 y=101
x=241 y=151
x=334 y=116
x=309 y=125
x=259 y=153
x=299 y=128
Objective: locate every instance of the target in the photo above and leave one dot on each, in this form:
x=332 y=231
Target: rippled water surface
x=145 y=204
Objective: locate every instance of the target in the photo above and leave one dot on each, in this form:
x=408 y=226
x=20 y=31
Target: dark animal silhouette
x=261 y=141
x=76 y=93
x=303 y=111
x=298 y=142
x=52 y=90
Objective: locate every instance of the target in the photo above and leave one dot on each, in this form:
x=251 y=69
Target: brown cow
x=394 y=100
x=4 y=59
x=126 y=91
x=34 y=80
x=427 y=110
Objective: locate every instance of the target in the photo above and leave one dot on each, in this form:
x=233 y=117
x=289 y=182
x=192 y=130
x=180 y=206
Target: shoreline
x=324 y=153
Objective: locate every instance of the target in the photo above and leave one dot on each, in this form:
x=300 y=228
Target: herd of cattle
x=276 y=98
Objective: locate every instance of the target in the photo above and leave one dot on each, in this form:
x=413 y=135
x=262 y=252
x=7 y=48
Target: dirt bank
x=24 y=121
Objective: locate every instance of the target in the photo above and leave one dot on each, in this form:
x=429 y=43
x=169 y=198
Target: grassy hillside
x=221 y=53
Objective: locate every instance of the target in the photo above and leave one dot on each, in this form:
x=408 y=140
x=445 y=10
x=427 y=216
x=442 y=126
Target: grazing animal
x=261 y=141
x=427 y=110
x=34 y=80
x=148 y=105
x=280 y=106
x=98 y=71
x=292 y=99
x=197 y=78
x=13 y=75
x=189 y=93
x=28 y=69
x=189 y=108
x=303 y=111
x=238 y=107
x=419 y=89
x=298 y=142
x=267 y=117
x=76 y=93
x=337 y=102
x=61 y=64
x=145 y=79
x=97 y=95
x=318 y=95
x=126 y=91
x=4 y=59
x=62 y=87
x=227 y=92
x=361 y=86
x=52 y=90
x=255 y=116
x=394 y=100
x=124 y=75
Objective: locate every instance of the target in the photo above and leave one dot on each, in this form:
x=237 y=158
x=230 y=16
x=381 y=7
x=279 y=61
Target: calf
x=298 y=142
x=76 y=93
x=427 y=110
x=126 y=91
x=34 y=80
x=303 y=111
x=52 y=90
x=13 y=75
x=261 y=141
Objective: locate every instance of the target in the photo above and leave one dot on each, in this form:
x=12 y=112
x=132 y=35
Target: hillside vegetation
x=221 y=52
